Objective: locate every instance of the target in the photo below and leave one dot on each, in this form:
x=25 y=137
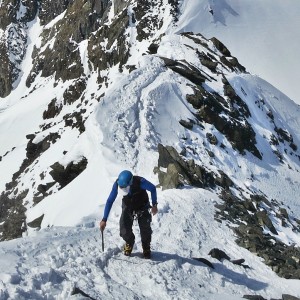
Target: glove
x=102 y=225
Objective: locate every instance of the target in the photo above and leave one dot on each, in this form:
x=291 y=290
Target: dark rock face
x=64 y=175
x=254 y=297
x=63 y=59
x=218 y=254
x=74 y=91
x=252 y=217
x=5 y=72
x=145 y=16
x=143 y=20
x=36 y=223
x=186 y=70
x=51 y=9
x=75 y=120
x=179 y=171
x=52 y=110
x=221 y=47
x=14 y=43
x=12 y=215
x=258 y=297
x=81 y=22
x=114 y=33
x=289 y=297
x=212 y=106
x=8 y=12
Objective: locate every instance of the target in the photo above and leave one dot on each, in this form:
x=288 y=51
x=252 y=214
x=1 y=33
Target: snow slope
x=60 y=261
x=138 y=111
x=264 y=35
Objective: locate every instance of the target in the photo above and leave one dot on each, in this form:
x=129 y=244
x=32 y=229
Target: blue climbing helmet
x=125 y=178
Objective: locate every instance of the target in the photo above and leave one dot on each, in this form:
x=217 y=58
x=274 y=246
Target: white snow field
x=58 y=260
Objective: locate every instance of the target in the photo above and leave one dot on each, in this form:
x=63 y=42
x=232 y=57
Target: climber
x=135 y=205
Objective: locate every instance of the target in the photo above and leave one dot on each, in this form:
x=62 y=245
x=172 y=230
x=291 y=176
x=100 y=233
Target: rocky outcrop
x=180 y=172
x=12 y=215
x=36 y=223
x=175 y=171
x=74 y=91
x=212 y=108
x=253 y=217
x=52 y=110
x=75 y=120
x=31 y=9
x=63 y=57
x=5 y=71
x=8 y=12
x=51 y=9
x=259 y=297
x=13 y=43
x=222 y=255
x=186 y=70
x=116 y=50
x=64 y=175
x=146 y=17
x=12 y=209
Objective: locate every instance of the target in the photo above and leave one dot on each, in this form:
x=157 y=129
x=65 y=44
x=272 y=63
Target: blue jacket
x=145 y=185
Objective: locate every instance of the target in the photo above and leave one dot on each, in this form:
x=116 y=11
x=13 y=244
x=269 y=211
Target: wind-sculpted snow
x=145 y=105
x=67 y=263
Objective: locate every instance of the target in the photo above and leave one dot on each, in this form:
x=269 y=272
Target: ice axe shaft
x=102 y=236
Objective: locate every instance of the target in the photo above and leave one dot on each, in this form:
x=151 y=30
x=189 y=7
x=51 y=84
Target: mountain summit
x=90 y=88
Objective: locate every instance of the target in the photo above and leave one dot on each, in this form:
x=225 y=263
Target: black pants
x=144 y=220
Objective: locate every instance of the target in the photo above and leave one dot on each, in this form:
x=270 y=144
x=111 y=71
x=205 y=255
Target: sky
x=143 y=109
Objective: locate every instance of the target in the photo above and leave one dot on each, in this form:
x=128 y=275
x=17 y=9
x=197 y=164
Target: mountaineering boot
x=127 y=249
x=146 y=251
